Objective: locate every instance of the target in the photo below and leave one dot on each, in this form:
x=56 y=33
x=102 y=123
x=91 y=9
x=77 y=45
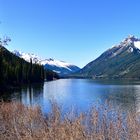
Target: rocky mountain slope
x=121 y=61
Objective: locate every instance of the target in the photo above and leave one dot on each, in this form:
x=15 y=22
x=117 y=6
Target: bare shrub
x=20 y=122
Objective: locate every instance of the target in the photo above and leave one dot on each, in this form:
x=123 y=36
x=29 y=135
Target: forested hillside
x=14 y=70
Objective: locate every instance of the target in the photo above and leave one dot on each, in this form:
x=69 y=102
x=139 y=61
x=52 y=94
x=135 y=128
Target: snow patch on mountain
x=129 y=44
x=56 y=63
x=27 y=56
x=137 y=44
x=130 y=49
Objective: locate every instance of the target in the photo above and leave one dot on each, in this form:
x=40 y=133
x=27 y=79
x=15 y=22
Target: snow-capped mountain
x=129 y=44
x=120 y=61
x=27 y=56
x=60 y=67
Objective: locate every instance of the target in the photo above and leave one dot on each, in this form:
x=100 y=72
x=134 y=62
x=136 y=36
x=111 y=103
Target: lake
x=80 y=94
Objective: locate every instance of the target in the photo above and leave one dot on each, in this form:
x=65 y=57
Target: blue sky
x=76 y=31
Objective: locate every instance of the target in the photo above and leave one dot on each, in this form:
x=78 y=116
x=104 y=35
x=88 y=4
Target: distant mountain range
x=60 y=67
x=121 y=61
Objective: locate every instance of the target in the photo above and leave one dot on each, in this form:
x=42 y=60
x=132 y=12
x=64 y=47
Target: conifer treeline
x=14 y=70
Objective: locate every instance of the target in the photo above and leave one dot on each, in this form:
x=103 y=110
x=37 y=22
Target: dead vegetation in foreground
x=18 y=122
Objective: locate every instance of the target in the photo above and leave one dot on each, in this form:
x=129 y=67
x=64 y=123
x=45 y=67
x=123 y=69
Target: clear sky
x=76 y=31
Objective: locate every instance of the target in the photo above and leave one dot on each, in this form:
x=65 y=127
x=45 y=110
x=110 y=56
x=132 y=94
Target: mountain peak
x=129 y=45
x=131 y=39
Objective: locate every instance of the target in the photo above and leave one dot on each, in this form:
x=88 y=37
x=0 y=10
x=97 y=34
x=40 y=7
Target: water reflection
x=30 y=95
x=80 y=93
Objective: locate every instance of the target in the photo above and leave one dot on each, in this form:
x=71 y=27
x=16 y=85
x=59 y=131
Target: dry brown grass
x=18 y=122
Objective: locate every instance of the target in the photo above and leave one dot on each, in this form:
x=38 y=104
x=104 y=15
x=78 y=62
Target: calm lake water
x=80 y=94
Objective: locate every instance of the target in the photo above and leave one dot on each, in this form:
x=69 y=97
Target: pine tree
x=1 y=72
